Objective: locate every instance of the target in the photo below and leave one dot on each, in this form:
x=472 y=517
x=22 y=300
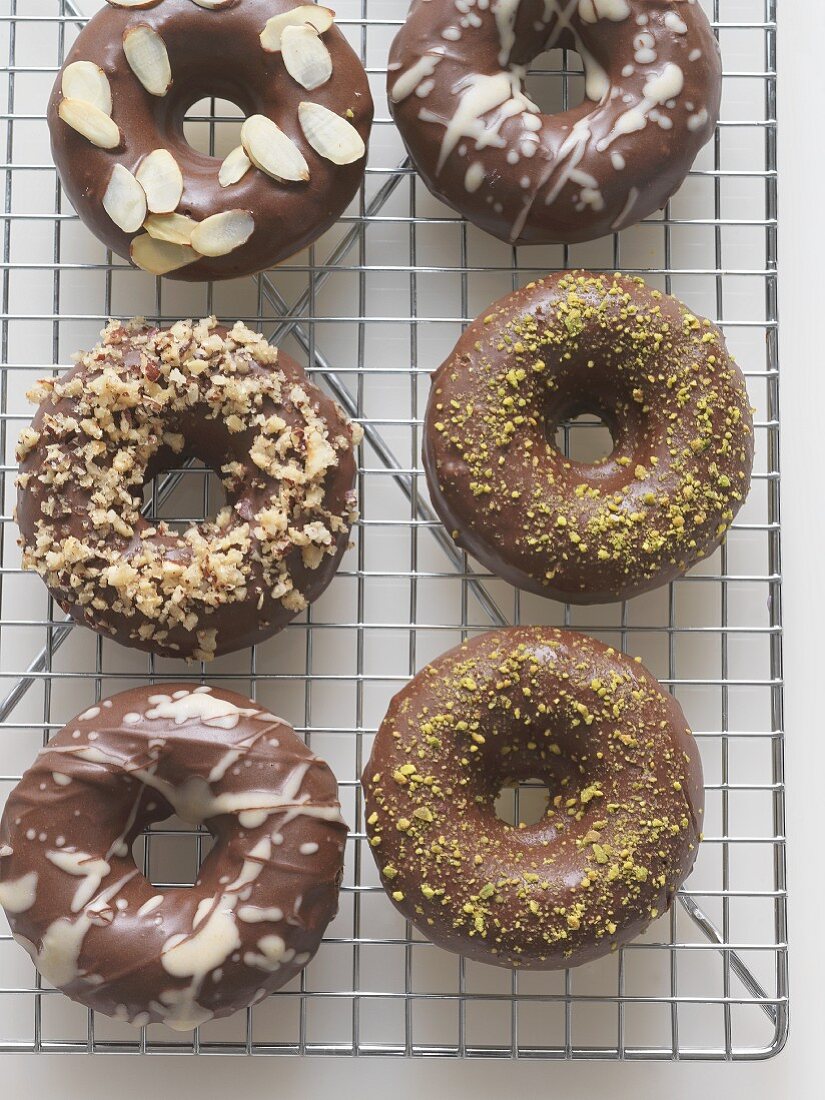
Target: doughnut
x=662 y=381
x=457 y=92
x=116 y=119
x=97 y=929
x=146 y=399
x=623 y=818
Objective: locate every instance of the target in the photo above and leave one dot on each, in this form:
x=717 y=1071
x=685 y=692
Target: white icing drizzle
x=591 y=11
x=57 y=959
x=659 y=88
x=309 y=848
x=644 y=44
x=596 y=83
x=234 y=754
x=573 y=149
x=224 y=764
x=409 y=81
x=90 y=868
x=150 y=905
x=214 y=937
x=505 y=12
x=474 y=176
x=186 y=706
x=632 y=197
x=119 y=847
x=698 y=120
x=19 y=894
x=481 y=95
x=674 y=22
x=194 y=802
x=89 y=714
x=273 y=953
x=254 y=914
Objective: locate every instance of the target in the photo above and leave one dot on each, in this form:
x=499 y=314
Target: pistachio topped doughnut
x=664 y=384
x=98 y=929
x=457 y=90
x=623 y=819
x=116 y=117
x=146 y=399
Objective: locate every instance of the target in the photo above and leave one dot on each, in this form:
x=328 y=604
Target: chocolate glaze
x=212 y=52
x=676 y=406
x=621 y=828
x=145 y=400
x=456 y=87
x=93 y=924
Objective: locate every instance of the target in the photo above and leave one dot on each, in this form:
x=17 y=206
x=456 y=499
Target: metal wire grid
x=373 y=307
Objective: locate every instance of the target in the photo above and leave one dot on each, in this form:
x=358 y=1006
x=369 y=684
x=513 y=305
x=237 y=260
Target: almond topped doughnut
x=116 y=118
x=146 y=399
x=93 y=924
x=456 y=84
x=662 y=381
x=623 y=819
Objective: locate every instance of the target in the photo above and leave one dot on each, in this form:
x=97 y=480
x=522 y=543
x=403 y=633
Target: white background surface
x=795 y=1072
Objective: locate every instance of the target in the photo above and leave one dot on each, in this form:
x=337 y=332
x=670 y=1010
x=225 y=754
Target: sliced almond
x=148 y=59
x=125 y=200
x=313 y=14
x=223 y=233
x=87 y=81
x=214 y=5
x=269 y=149
x=133 y=3
x=160 y=257
x=306 y=58
x=162 y=180
x=234 y=168
x=91 y=122
x=174 y=228
x=331 y=136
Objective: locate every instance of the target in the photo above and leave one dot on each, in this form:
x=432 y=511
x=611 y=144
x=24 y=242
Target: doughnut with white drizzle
x=92 y=923
x=457 y=92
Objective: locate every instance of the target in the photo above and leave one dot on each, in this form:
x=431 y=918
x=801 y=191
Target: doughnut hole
x=197 y=496
x=169 y=853
x=205 y=107
x=522 y=804
x=594 y=435
x=198 y=493
x=555 y=81
x=582 y=428
x=524 y=783
x=212 y=126
x=585 y=437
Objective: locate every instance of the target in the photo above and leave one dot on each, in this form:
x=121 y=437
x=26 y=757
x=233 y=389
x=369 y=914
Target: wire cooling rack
x=372 y=308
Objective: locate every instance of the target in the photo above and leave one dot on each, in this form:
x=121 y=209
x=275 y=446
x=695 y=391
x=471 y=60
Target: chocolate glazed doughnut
x=145 y=400
x=662 y=381
x=116 y=120
x=456 y=85
x=96 y=927
x=623 y=819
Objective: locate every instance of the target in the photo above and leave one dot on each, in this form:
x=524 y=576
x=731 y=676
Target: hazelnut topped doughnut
x=98 y=929
x=456 y=85
x=116 y=118
x=662 y=381
x=145 y=400
x=623 y=819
